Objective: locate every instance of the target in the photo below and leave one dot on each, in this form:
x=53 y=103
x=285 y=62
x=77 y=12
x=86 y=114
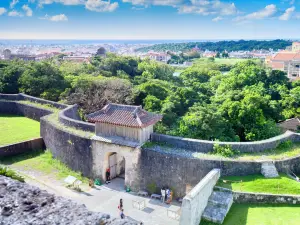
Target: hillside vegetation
x=219 y=46
x=213 y=99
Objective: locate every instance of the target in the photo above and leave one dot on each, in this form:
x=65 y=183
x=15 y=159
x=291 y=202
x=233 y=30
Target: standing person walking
x=107 y=176
x=120 y=207
x=163 y=194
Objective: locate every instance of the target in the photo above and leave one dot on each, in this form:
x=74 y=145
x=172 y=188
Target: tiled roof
x=277 y=65
x=124 y=115
x=286 y=56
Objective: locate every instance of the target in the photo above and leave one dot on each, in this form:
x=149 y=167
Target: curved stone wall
x=144 y=166
x=70 y=117
x=207 y=146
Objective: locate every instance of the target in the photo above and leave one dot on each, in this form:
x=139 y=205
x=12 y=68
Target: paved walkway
x=106 y=198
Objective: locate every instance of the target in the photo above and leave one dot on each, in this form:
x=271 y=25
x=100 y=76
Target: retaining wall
x=243 y=197
x=16 y=108
x=207 y=146
x=194 y=203
x=22 y=147
x=71 y=149
x=70 y=117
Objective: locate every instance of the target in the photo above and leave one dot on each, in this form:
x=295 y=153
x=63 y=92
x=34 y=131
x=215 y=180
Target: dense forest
x=242 y=104
x=220 y=46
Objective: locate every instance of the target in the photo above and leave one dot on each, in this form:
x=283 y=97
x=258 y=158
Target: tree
x=9 y=77
x=42 y=80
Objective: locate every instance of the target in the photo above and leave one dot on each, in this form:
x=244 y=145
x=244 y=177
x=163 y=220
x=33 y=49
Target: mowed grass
x=42 y=162
x=261 y=214
x=258 y=183
x=15 y=129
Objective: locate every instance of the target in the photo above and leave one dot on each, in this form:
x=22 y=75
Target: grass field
x=17 y=128
x=262 y=214
x=42 y=162
x=258 y=183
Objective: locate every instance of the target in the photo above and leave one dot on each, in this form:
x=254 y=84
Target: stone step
x=214 y=214
x=268 y=169
x=218 y=206
x=220 y=198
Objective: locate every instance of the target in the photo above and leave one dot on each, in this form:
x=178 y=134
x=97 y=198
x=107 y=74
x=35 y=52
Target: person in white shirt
x=163 y=195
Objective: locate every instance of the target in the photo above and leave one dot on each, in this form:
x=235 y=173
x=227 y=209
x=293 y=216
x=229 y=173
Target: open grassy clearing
x=17 y=128
x=261 y=214
x=258 y=183
x=44 y=163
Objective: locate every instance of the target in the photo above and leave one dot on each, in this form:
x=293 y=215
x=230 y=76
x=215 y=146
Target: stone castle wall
x=207 y=146
x=143 y=166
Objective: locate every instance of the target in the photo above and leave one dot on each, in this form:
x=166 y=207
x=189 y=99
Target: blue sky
x=149 y=19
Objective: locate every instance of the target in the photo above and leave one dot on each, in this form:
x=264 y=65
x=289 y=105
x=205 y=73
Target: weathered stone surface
x=218 y=206
x=268 y=169
x=22 y=204
x=195 y=202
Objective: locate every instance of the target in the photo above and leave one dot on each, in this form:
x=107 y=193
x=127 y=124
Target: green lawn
x=261 y=214
x=17 y=128
x=258 y=183
x=44 y=163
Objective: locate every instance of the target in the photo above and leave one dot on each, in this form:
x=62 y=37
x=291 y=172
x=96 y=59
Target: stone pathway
x=106 y=198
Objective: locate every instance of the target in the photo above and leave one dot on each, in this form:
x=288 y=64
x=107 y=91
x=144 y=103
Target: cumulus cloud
x=287 y=14
x=55 y=18
x=101 y=6
x=217 y=19
x=205 y=7
x=27 y=9
x=15 y=13
x=65 y=2
x=2 y=11
x=13 y=3
x=267 y=12
x=155 y=2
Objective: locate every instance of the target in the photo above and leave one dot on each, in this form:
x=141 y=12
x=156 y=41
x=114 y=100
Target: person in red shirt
x=107 y=176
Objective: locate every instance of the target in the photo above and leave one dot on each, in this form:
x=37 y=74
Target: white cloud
x=65 y=2
x=27 y=9
x=2 y=11
x=267 y=12
x=205 y=7
x=15 y=13
x=13 y=3
x=31 y=1
x=217 y=19
x=155 y=2
x=101 y=6
x=287 y=14
x=55 y=18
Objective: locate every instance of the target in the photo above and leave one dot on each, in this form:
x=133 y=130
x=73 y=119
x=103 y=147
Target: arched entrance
x=116 y=163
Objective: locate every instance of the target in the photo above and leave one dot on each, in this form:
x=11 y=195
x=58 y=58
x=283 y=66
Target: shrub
x=225 y=151
x=285 y=145
x=4 y=171
x=151 y=188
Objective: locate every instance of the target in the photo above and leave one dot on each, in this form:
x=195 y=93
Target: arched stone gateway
x=122 y=160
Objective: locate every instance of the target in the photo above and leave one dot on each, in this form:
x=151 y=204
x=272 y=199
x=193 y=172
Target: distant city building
x=7 y=55
x=296 y=47
x=209 y=54
x=101 y=52
x=158 y=56
x=78 y=59
x=287 y=61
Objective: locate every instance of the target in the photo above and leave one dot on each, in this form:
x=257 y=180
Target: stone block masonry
x=194 y=203
x=22 y=147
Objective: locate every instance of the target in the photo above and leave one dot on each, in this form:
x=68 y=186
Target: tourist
x=107 y=176
x=170 y=198
x=122 y=215
x=167 y=193
x=120 y=207
x=163 y=194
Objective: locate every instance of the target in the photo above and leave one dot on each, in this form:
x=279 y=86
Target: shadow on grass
x=8 y=160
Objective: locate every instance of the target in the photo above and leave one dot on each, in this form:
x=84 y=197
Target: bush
x=225 y=151
x=4 y=171
x=151 y=188
x=285 y=145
